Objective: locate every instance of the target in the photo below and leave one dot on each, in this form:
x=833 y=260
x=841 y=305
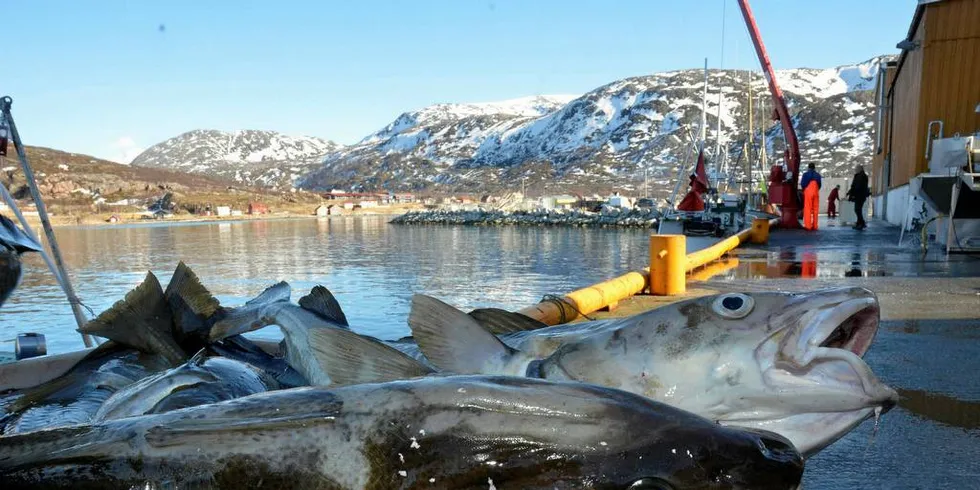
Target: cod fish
x=200 y=381
x=306 y=328
x=788 y=363
x=455 y=432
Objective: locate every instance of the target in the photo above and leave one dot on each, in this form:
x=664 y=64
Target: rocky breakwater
x=609 y=217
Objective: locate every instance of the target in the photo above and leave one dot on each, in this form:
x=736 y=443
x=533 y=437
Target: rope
x=561 y=303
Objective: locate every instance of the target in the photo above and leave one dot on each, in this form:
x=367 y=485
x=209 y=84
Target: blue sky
x=110 y=77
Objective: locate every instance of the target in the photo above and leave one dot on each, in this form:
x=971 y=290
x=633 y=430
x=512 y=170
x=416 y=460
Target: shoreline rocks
x=609 y=217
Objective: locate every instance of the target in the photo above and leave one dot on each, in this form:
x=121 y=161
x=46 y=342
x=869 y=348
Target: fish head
x=782 y=362
x=815 y=386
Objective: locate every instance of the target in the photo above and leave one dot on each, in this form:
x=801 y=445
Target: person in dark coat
x=858 y=193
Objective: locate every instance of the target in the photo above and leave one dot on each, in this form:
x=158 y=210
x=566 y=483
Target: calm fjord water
x=372 y=267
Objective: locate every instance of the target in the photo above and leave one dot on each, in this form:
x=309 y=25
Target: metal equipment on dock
x=949 y=193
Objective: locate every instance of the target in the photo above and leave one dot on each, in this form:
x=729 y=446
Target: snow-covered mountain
x=607 y=137
x=265 y=158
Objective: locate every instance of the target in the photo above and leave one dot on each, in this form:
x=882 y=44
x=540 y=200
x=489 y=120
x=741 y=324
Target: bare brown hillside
x=76 y=183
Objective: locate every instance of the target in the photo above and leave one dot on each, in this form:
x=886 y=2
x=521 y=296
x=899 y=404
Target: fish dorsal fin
x=141 y=320
x=322 y=302
x=348 y=358
x=452 y=340
x=499 y=322
x=279 y=291
x=185 y=285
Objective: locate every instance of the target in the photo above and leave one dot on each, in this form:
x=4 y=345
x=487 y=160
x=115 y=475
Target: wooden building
x=933 y=86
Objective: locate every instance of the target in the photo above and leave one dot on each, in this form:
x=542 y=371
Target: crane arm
x=790 y=200
x=779 y=102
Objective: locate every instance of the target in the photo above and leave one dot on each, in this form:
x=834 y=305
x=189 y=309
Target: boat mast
x=749 y=136
x=704 y=106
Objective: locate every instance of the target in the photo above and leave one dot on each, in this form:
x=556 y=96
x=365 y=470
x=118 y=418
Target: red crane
x=783 y=187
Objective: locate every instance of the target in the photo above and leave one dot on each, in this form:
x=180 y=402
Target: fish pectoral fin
x=279 y=291
x=321 y=302
x=348 y=358
x=452 y=340
x=499 y=322
x=198 y=358
x=142 y=320
x=186 y=286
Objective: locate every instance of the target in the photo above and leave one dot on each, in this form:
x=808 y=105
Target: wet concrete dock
x=928 y=348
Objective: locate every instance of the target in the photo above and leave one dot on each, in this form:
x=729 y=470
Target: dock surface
x=910 y=285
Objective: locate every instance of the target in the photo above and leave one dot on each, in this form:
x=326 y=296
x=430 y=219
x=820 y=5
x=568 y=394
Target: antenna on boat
x=54 y=261
x=721 y=67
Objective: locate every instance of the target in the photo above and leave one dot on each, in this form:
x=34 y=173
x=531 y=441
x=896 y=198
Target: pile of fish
x=723 y=392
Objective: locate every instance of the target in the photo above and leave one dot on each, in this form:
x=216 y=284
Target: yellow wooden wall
x=939 y=81
x=907 y=139
x=951 y=68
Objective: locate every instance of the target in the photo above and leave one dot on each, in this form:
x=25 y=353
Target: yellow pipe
x=602 y=295
x=714 y=252
x=587 y=300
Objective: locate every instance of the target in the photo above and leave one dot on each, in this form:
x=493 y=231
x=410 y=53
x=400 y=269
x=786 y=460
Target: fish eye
x=733 y=305
x=650 y=484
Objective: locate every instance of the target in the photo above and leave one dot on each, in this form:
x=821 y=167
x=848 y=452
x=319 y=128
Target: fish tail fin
x=499 y=322
x=192 y=306
x=250 y=316
x=322 y=302
x=348 y=358
x=452 y=340
x=279 y=291
x=186 y=286
x=142 y=320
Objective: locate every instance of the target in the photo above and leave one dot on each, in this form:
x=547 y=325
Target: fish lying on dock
x=438 y=432
x=789 y=363
x=13 y=243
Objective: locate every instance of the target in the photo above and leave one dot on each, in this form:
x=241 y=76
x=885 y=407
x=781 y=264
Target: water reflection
x=812 y=262
x=941 y=408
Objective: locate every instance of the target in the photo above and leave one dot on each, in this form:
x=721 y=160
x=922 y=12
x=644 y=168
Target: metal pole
x=42 y=212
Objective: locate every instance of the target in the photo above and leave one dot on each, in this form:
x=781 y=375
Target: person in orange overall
x=832 y=202
x=810 y=183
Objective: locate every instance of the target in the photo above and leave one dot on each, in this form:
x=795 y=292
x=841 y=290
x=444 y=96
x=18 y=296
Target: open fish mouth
x=822 y=385
x=856 y=332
